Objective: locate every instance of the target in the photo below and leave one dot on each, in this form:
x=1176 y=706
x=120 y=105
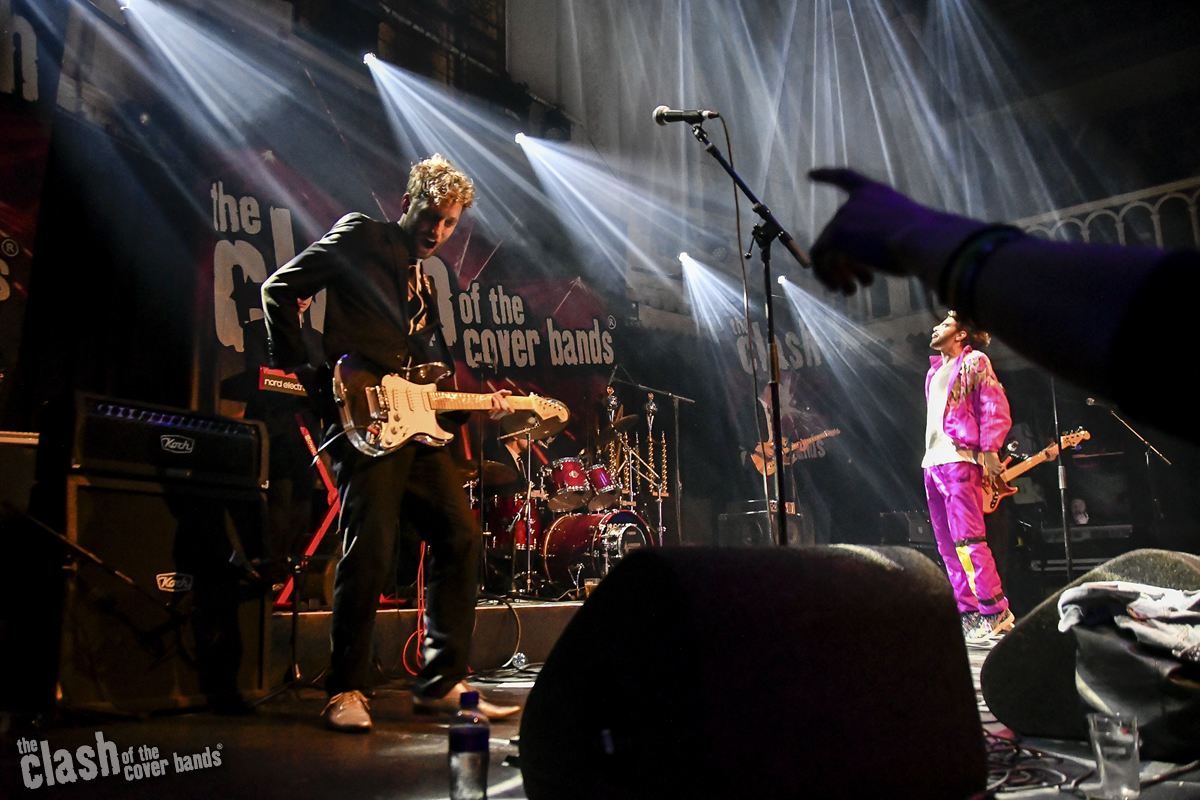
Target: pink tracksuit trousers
x=955 y=499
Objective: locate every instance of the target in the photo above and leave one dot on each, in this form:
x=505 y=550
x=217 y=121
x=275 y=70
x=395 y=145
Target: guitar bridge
x=377 y=402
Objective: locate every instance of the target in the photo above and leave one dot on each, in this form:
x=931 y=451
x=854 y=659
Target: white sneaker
x=347 y=712
x=991 y=627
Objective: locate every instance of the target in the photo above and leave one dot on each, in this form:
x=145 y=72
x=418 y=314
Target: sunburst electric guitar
x=381 y=412
x=764 y=455
x=992 y=495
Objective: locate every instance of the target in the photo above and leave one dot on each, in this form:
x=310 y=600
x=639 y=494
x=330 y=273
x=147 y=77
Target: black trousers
x=419 y=486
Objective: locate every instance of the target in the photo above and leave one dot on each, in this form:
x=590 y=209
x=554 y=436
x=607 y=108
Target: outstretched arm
x=1087 y=312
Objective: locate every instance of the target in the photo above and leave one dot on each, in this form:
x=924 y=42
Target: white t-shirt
x=939 y=448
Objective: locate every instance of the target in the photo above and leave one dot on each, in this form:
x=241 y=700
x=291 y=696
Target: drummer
x=511 y=453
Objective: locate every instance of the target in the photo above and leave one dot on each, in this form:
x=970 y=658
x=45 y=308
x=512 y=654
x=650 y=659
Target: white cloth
x=1157 y=616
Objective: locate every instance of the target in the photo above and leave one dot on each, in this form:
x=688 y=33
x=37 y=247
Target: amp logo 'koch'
x=177 y=444
x=174 y=582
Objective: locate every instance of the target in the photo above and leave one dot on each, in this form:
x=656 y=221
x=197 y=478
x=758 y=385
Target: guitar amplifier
x=748 y=524
x=906 y=527
x=130 y=438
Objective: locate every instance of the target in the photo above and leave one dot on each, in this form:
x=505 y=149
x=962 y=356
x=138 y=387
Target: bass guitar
x=993 y=494
x=382 y=412
x=764 y=455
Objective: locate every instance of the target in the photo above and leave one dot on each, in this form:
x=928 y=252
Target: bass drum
x=590 y=544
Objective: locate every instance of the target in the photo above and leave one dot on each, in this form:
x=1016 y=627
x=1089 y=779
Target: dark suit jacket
x=363 y=266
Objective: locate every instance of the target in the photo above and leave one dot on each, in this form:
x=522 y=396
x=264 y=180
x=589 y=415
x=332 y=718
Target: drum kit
x=576 y=517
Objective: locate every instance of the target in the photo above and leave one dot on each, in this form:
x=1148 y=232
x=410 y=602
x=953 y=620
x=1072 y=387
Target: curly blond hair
x=437 y=180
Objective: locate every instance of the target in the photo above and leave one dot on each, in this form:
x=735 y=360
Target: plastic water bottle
x=469 y=736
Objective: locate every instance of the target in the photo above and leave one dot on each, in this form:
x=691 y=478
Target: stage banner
x=807 y=411
x=29 y=70
x=851 y=414
x=507 y=327
x=262 y=211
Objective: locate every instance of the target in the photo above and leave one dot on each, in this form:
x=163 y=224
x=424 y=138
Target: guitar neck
x=804 y=443
x=467 y=401
x=1029 y=463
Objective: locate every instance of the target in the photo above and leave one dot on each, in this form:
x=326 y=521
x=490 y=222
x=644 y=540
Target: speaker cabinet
x=833 y=671
x=757 y=529
x=188 y=626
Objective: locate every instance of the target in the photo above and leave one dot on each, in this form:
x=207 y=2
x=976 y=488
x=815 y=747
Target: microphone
x=665 y=114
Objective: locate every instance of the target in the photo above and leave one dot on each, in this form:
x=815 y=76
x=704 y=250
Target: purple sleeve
x=991 y=404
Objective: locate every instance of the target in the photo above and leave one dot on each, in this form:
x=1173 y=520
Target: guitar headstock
x=1074 y=438
x=547 y=408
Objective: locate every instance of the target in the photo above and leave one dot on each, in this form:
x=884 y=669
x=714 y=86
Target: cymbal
x=620 y=425
x=494 y=472
x=538 y=429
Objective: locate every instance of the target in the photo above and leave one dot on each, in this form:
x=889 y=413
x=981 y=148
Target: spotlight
x=368 y=58
x=519 y=138
x=683 y=258
x=555 y=126
x=781 y=280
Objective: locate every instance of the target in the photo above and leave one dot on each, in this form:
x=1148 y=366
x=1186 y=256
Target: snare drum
x=567 y=484
x=588 y=545
x=605 y=492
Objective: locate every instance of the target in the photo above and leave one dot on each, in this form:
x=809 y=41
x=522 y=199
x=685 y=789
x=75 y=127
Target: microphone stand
x=1155 y=503
x=1062 y=485
x=765 y=233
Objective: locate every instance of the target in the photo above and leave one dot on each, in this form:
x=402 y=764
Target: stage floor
x=280 y=751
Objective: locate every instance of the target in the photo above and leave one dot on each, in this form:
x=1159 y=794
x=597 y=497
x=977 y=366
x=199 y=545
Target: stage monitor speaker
x=1028 y=680
x=191 y=633
x=833 y=671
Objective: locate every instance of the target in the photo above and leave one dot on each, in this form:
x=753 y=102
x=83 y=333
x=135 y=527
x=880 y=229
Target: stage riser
x=493 y=643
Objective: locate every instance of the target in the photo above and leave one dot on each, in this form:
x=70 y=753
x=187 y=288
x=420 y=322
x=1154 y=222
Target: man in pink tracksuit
x=966 y=423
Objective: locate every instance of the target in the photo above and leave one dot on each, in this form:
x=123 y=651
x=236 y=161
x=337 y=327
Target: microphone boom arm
x=759 y=208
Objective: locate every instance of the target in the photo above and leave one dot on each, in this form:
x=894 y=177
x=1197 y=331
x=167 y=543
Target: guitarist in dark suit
x=382 y=306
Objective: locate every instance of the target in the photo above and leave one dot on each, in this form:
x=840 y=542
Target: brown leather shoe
x=347 y=712
x=448 y=705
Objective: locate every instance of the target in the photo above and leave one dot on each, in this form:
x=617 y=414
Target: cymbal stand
x=485 y=532
x=658 y=486
x=526 y=515
x=527 y=510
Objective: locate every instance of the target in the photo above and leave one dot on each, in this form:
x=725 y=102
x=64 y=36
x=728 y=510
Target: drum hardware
x=531 y=530
x=612 y=405
x=634 y=470
x=576 y=571
x=662 y=476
